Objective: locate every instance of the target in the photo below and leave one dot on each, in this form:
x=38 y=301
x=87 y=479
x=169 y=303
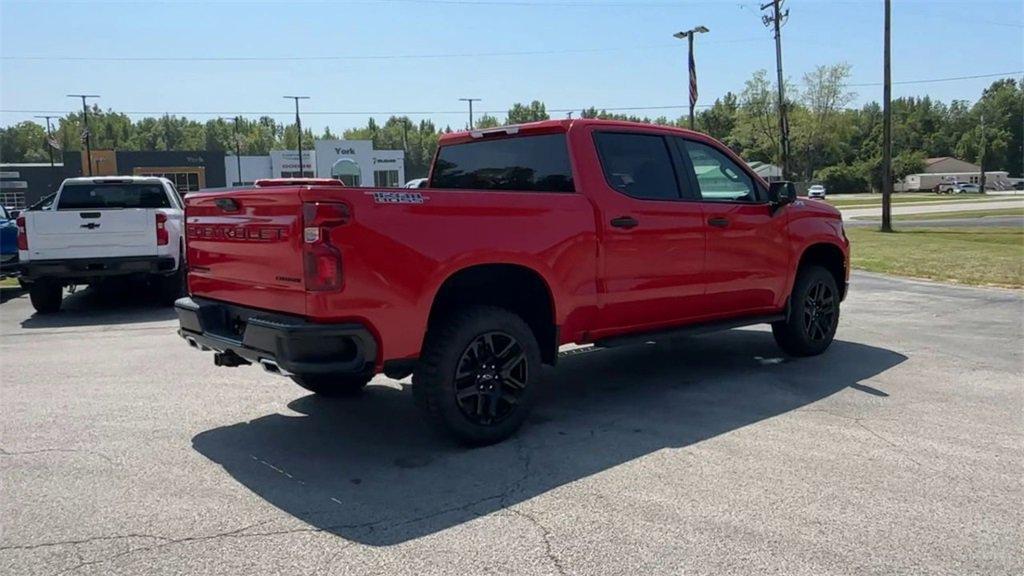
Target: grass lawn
x=876 y=199
x=982 y=256
x=954 y=215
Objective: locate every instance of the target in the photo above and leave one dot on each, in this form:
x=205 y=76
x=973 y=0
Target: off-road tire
x=467 y=338
x=333 y=385
x=813 y=314
x=45 y=296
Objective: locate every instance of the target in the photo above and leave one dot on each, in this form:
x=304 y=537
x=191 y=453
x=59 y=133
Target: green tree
x=23 y=142
x=533 y=112
x=487 y=121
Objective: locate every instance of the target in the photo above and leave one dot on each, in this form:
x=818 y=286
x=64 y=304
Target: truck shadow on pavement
x=110 y=305
x=372 y=471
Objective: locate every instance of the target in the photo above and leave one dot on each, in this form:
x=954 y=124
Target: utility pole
x=298 y=126
x=776 y=20
x=689 y=34
x=981 y=157
x=887 y=126
x=238 y=151
x=86 y=134
x=470 y=100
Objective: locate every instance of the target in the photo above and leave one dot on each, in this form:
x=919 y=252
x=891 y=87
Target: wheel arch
x=515 y=287
x=830 y=257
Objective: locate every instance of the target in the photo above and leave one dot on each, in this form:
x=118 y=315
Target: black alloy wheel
x=491 y=377
x=819 y=312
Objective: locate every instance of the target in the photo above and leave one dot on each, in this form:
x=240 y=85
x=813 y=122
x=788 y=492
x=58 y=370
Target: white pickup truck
x=99 y=228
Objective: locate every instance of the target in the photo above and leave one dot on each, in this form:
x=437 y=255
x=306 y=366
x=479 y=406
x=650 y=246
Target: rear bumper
x=281 y=343
x=87 y=268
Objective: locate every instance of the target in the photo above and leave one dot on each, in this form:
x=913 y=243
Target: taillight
x=22 y=235
x=162 y=237
x=321 y=260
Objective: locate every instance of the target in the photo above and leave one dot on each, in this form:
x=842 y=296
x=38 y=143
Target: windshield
x=98 y=196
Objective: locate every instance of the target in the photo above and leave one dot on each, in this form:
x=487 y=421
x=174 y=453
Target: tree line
x=830 y=141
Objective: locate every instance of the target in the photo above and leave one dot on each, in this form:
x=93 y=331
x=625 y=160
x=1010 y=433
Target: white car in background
x=816 y=191
x=416 y=183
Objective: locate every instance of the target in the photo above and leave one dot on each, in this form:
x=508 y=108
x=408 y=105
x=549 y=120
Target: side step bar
x=692 y=330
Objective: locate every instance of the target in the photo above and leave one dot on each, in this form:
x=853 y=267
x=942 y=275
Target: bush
x=842 y=179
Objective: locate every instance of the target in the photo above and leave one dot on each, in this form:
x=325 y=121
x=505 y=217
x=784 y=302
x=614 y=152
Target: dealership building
x=354 y=162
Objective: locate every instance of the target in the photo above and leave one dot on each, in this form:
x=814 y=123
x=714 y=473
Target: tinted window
x=94 y=196
x=638 y=165
x=719 y=178
x=530 y=163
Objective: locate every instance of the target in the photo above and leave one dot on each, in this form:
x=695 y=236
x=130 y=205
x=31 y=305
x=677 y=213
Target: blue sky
x=422 y=55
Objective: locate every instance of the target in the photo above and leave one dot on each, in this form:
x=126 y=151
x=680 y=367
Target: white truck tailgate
x=104 y=233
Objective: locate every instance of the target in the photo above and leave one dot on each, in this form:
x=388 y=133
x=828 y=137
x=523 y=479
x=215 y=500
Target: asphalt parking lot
x=898 y=451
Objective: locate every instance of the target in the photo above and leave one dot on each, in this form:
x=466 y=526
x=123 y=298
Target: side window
x=718 y=177
x=522 y=164
x=638 y=165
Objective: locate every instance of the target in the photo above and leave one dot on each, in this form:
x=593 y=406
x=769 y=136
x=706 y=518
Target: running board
x=691 y=330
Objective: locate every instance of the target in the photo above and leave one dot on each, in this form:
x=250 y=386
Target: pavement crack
x=4 y=452
x=546 y=535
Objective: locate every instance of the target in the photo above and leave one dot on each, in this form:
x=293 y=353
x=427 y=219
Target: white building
x=947 y=170
x=354 y=162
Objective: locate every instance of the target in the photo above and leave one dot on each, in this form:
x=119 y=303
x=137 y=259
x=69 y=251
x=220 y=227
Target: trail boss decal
x=398 y=197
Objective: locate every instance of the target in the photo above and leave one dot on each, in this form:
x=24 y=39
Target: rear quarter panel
x=396 y=256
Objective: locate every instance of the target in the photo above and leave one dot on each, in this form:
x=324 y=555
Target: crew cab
x=524 y=239
x=99 y=228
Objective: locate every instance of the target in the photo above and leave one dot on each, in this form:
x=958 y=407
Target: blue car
x=8 y=242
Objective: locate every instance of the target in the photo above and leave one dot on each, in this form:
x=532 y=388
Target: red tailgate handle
x=719 y=222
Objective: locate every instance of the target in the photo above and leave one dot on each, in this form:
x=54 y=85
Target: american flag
x=693 y=79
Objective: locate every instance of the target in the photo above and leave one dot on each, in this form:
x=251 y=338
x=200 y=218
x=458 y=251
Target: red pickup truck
x=526 y=238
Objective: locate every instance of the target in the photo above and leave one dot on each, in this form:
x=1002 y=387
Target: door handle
x=626 y=222
x=718 y=222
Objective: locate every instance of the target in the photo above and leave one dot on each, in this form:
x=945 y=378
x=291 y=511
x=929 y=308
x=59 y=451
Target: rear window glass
x=526 y=163
x=95 y=196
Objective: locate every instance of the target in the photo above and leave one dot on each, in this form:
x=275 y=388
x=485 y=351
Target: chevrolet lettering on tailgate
x=236 y=233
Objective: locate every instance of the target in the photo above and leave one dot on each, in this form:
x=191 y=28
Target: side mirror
x=781 y=193
x=13 y=214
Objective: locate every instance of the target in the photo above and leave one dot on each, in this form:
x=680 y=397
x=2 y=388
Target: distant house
x=769 y=172
x=946 y=170
x=949 y=165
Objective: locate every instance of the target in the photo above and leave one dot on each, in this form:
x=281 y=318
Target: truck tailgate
x=106 y=233
x=245 y=247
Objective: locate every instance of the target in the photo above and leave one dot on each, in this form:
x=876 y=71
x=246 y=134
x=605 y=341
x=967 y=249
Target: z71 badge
x=398 y=197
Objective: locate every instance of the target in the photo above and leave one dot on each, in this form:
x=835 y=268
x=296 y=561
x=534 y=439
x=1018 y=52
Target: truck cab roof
x=555 y=126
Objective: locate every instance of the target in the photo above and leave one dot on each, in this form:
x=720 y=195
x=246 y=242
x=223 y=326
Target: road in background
x=898 y=451
x=933 y=208
x=938 y=222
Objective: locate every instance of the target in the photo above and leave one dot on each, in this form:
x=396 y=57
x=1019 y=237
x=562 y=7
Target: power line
x=950 y=79
x=350 y=112
x=334 y=57
x=459 y=112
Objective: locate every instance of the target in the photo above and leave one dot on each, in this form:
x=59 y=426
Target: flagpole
x=689 y=34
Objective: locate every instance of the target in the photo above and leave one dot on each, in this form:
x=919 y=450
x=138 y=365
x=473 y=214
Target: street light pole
x=689 y=34
x=85 y=119
x=298 y=126
x=49 y=139
x=238 y=151
x=470 y=100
